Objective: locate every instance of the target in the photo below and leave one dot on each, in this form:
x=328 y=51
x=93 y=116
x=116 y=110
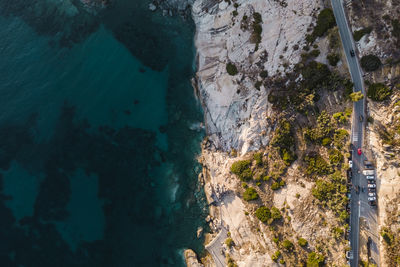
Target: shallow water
x=97 y=159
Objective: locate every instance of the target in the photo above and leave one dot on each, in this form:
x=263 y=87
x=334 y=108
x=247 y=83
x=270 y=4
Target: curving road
x=357 y=125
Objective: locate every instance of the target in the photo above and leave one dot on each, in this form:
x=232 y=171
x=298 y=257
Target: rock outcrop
x=236 y=111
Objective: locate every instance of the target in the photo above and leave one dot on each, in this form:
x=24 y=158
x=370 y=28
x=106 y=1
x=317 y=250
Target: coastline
x=234 y=111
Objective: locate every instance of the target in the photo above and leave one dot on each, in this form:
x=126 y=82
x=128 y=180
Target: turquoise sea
x=99 y=134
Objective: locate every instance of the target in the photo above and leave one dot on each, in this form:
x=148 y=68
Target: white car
x=370 y=177
x=350 y=164
x=371 y=194
x=371 y=198
x=371 y=185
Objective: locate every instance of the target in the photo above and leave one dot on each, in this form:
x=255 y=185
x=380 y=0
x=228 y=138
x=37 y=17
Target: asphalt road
x=357 y=125
x=215 y=247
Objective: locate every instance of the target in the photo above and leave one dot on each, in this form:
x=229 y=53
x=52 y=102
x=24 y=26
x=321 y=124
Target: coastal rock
x=191 y=259
x=152 y=7
x=199 y=232
x=235 y=111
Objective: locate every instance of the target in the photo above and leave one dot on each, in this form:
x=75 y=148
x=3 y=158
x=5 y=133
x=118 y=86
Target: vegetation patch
x=257 y=29
x=325 y=21
x=316 y=165
x=333 y=59
x=332 y=194
x=302 y=242
x=379 y=92
x=315 y=260
x=250 y=194
x=360 y=33
x=231 y=69
x=284 y=140
x=324 y=129
x=242 y=169
x=370 y=63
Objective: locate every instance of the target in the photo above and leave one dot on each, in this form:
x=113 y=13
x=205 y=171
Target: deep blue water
x=97 y=153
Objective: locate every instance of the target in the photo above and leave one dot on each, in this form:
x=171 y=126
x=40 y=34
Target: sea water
x=97 y=150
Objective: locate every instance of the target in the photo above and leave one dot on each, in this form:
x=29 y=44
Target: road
x=215 y=247
x=357 y=125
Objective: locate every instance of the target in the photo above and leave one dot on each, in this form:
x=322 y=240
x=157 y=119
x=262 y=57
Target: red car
x=359 y=151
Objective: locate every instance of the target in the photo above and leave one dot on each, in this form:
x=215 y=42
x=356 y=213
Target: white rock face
x=235 y=111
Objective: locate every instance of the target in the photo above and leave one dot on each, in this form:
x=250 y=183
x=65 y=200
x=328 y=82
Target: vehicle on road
x=357 y=188
x=371 y=185
x=349 y=195
x=349 y=255
x=363 y=189
x=368 y=172
x=352 y=54
x=349 y=173
x=370 y=177
x=372 y=203
x=372 y=194
x=350 y=164
x=351 y=154
x=368 y=164
x=371 y=198
x=361 y=118
x=359 y=151
x=372 y=190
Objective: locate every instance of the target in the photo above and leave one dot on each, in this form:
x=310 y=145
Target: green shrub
x=315 y=260
x=257 y=17
x=231 y=69
x=324 y=129
x=250 y=194
x=276 y=256
x=229 y=242
x=302 y=242
x=284 y=140
x=356 y=96
x=326 y=141
x=370 y=63
x=287 y=244
x=335 y=156
x=387 y=236
x=325 y=21
x=242 y=169
x=333 y=59
x=264 y=74
x=315 y=53
x=339 y=138
x=275 y=213
x=258 y=158
x=360 y=33
x=396 y=28
x=378 y=92
x=315 y=164
x=263 y=214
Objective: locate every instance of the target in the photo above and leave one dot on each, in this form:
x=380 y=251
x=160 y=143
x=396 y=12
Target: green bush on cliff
x=302 y=242
x=325 y=21
x=333 y=59
x=263 y=214
x=231 y=69
x=250 y=194
x=315 y=260
x=360 y=33
x=242 y=169
x=378 y=92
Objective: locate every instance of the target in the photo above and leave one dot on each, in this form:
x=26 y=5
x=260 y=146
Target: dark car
x=372 y=203
x=361 y=118
x=372 y=190
x=352 y=53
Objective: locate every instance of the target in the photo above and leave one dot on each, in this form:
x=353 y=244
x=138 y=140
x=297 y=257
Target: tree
x=263 y=214
x=370 y=62
x=302 y=242
x=242 y=169
x=275 y=213
x=315 y=260
x=287 y=244
x=333 y=59
x=231 y=69
x=250 y=194
x=378 y=92
x=356 y=96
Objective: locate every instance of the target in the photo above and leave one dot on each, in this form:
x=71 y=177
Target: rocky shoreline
x=237 y=113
